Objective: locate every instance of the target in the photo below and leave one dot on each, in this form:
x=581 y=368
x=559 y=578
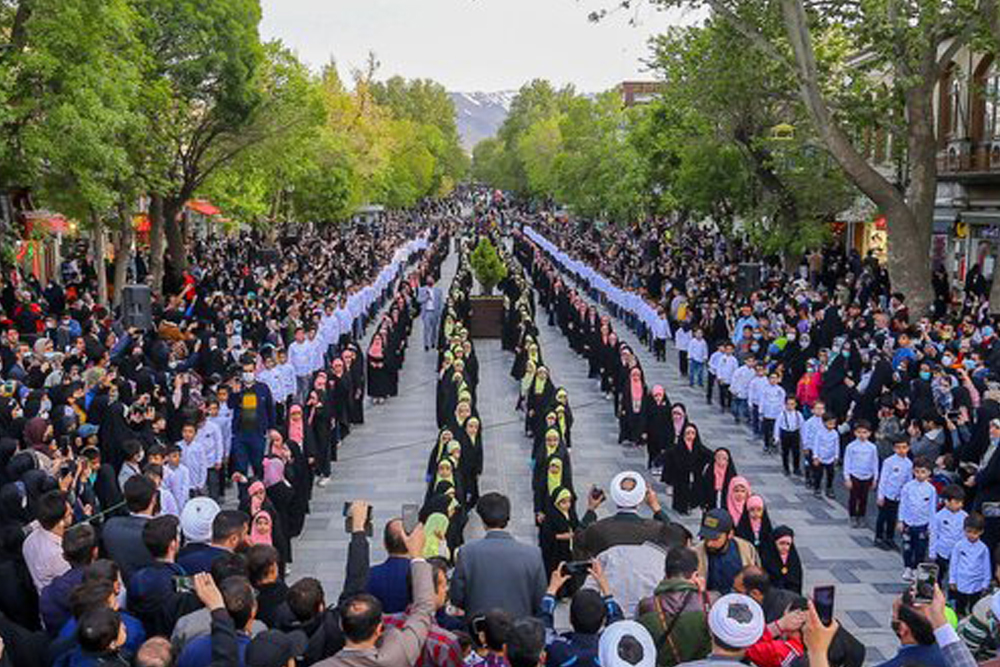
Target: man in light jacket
x=368 y=644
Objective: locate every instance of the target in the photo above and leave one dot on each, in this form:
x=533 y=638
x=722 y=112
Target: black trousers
x=682 y=363
x=725 y=396
x=857 y=504
x=709 y=386
x=885 y=523
x=791 y=444
x=767 y=426
x=818 y=469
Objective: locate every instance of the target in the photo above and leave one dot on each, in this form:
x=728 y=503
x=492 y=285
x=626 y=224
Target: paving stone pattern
x=383 y=462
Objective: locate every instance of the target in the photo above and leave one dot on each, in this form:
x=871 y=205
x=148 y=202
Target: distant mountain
x=480 y=115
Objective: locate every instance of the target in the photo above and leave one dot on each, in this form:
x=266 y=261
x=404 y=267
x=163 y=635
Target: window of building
x=991 y=103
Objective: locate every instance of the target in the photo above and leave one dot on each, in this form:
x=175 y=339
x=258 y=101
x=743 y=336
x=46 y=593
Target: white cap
x=626 y=644
x=736 y=620
x=628 y=497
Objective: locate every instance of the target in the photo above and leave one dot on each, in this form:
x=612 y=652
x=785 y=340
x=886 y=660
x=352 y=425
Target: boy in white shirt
x=788 y=433
x=682 y=341
x=826 y=448
x=177 y=477
x=897 y=470
x=724 y=371
x=917 y=506
x=215 y=453
x=860 y=472
x=969 y=575
x=193 y=456
x=741 y=387
x=754 y=390
x=661 y=331
x=947 y=528
x=713 y=371
x=697 y=356
x=772 y=401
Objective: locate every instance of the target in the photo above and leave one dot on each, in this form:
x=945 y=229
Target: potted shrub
x=487 y=311
x=487 y=266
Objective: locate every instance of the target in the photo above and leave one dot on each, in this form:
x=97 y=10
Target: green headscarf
x=435 y=531
x=555 y=479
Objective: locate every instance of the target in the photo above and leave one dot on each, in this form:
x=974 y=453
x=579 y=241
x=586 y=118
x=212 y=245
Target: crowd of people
x=153 y=482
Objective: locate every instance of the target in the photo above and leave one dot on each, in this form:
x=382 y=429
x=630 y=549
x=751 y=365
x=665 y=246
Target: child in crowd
x=177 y=477
x=826 y=448
x=741 y=387
x=788 y=433
x=697 y=356
x=133 y=461
x=724 y=371
x=713 y=370
x=860 y=472
x=754 y=393
x=917 y=506
x=772 y=400
x=682 y=341
x=897 y=470
x=193 y=456
x=947 y=528
x=969 y=569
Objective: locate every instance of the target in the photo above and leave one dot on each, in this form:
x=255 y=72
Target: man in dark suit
x=497 y=570
x=388 y=581
x=122 y=535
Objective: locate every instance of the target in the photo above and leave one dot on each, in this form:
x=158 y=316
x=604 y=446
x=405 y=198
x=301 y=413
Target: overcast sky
x=470 y=45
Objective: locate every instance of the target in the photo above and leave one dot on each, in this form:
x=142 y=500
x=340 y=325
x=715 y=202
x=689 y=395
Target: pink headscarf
x=755 y=502
x=274 y=471
x=257 y=495
x=658 y=392
x=296 y=427
x=720 y=471
x=636 y=379
x=735 y=506
x=376 y=347
x=257 y=536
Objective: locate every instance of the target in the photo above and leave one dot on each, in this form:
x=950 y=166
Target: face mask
x=969 y=363
x=947 y=361
x=791 y=337
x=755 y=347
x=925 y=375
x=846 y=354
x=248 y=378
x=46 y=405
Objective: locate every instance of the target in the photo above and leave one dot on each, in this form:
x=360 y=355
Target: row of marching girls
x=548 y=423
x=299 y=450
x=701 y=479
x=455 y=461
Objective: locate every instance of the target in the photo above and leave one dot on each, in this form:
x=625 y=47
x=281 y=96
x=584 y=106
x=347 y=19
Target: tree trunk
x=123 y=250
x=176 y=243
x=100 y=255
x=156 y=244
x=908 y=225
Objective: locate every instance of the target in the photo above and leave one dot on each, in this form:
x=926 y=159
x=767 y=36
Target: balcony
x=964 y=160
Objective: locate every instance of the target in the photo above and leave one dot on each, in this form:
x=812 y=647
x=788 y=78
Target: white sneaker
x=907 y=574
x=323 y=481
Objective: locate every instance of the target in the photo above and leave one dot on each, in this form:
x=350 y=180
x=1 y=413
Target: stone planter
x=486 y=318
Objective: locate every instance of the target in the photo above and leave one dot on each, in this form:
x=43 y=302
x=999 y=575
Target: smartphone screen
x=823 y=600
x=411 y=517
x=926 y=580
x=184 y=584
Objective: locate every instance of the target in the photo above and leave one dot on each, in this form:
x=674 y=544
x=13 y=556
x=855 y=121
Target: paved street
x=383 y=462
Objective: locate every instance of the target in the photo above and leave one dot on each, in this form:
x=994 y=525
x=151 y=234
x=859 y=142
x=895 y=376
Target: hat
x=628 y=497
x=736 y=620
x=197 y=517
x=87 y=430
x=626 y=644
x=273 y=648
x=714 y=523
